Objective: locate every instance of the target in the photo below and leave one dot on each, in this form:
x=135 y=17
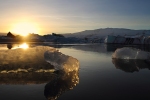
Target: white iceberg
x=61 y=61
x=130 y=53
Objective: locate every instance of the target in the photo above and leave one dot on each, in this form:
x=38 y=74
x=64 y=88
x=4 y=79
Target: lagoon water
x=100 y=77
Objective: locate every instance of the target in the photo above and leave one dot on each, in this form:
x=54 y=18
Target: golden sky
x=67 y=16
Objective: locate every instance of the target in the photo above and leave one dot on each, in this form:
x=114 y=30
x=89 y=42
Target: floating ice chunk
x=61 y=61
x=23 y=66
x=67 y=77
x=37 y=57
x=130 y=53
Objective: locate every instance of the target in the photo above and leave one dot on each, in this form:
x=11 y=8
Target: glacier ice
x=36 y=64
x=68 y=77
x=130 y=53
x=61 y=61
x=38 y=56
x=20 y=58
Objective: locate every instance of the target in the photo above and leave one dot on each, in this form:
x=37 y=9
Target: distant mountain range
x=103 y=32
x=94 y=36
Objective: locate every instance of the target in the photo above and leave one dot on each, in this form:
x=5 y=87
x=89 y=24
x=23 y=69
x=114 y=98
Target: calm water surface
x=100 y=77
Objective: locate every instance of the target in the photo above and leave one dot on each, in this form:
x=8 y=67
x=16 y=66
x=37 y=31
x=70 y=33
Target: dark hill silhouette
x=10 y=35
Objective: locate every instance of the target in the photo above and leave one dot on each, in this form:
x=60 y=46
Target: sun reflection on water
x=23 y=46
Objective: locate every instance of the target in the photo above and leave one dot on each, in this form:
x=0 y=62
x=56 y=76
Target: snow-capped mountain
x=98 y=35
x=101 y=33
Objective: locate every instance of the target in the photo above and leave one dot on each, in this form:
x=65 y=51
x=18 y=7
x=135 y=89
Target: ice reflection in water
x=60 y=84
x=131 y=65
x=67 y=74
x=36 y=65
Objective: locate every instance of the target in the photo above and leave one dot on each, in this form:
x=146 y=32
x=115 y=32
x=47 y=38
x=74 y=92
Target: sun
x=24 y=28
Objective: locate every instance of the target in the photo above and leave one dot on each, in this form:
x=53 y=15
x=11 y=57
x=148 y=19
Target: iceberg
x=38 y=65
x=67 y=77
x=23 y=66
x=130 y=53
x=61 y=61
x=131 y=59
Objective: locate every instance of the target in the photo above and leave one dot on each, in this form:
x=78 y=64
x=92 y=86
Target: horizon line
x=79 y=31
